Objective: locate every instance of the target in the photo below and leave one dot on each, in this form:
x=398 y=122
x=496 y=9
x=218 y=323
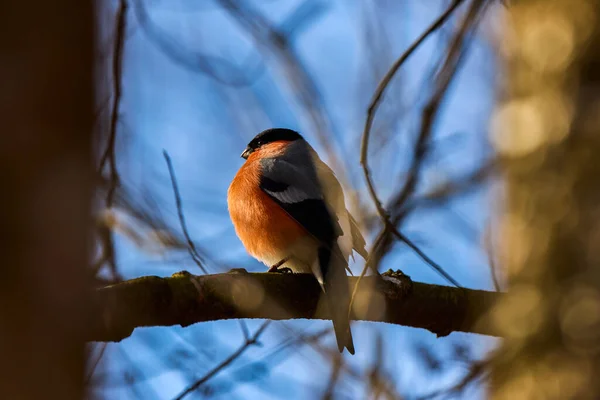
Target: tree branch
x=185 y=299
x=198 y=259
x=117 y=70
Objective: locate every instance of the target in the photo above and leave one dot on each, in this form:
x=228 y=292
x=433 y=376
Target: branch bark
x=184 y=299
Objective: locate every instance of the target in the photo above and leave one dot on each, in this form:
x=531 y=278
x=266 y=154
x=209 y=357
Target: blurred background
x=199 y=80
x=464 y=133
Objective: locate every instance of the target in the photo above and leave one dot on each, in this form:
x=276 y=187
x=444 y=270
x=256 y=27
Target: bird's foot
x=181 y=274
x=238 y=271
x=277 y=267
x=404 y=283
x=395 y=274
x=284 y=270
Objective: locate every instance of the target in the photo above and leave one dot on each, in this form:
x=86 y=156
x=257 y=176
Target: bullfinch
x=288 y=210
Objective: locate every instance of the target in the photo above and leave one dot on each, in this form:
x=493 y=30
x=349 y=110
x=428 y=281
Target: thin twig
x=108 y=253
x=375 y=102
x=293 y=342
x=424 y=256
x=446 y=191
x=377 y=97
x=247 y=343
x=191 y=246
x=101 y=106
x=363 y=272
x=336 y=368
x=452 y=60
x=105 y=233
x=489 y=249
x=374 y=386
x=117 y=69
x=476 y=370
x=96 y=362
x=244 y=328
x=277 y=356
x=298 y=78
x=209 y=65
x=136 y=375
x=444 y=77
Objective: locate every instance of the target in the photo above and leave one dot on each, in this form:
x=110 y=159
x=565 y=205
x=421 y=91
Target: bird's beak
x=246 y=153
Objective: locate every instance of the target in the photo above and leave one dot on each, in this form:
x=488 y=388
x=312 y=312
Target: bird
x=288 y=210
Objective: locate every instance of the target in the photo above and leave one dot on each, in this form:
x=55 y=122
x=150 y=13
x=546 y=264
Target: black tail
x=337 y=294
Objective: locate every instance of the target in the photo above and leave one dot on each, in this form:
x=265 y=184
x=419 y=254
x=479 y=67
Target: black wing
x=300 y=195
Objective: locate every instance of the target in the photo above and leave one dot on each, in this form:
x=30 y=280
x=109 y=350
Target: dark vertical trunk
x=45 y=164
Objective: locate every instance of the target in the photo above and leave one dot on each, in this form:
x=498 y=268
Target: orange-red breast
x=286 y=204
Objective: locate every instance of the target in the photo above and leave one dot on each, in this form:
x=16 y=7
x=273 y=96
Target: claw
x=275 y=267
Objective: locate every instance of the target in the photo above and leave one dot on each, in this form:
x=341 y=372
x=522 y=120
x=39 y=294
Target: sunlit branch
x=185 y=299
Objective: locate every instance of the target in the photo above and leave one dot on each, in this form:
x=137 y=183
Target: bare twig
x=244 y=328
x=108 y=252
x=375 y=102
x=105 y=232
x=293 y=342
x=101 y=107
x=96 y=362
x=489 y=249
x=478 y=369
x=436 y=267
x=374 y=386
x=236 y=76
x=454 y=55
x=414 y=248
x=303 y=86
x=297 y=339
x=117 y=68
x=379 y=384
x=334 y=378
x=191 y=246
x=247 y=343
x=138 y=372
x=448 y=190
x=301 y=17
x=443 y=79
x=372 y=110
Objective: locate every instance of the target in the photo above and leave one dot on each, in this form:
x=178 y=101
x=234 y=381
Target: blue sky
x=204 y=125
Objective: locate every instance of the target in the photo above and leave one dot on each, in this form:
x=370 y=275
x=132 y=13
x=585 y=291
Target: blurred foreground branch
x=46 y=108
x=549 y=221
x=185 y=299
